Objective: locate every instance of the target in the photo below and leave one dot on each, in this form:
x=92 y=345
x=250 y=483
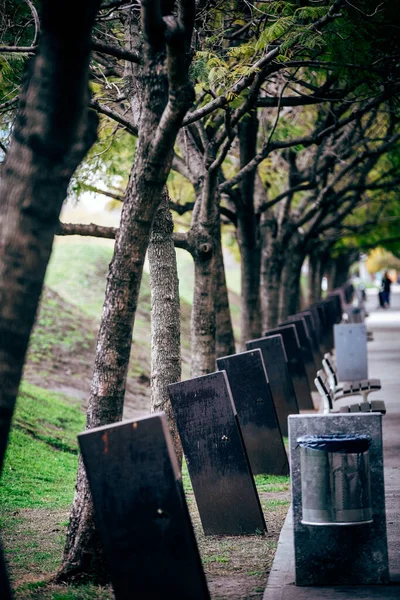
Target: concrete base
x=340 y=554
x=281 y=584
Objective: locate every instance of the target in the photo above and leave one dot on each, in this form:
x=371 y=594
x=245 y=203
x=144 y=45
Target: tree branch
x=91 y=230
x=9 y=103
x=96 y=45
x=308 y=140
x=180 y=90
x=104 y=110
x=116 y=51
x=181 y=167
x=113 y=195
x=181 y=209
x=246 y=81
x=18 y=49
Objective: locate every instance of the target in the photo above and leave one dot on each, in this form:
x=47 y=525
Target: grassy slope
x=63 y=342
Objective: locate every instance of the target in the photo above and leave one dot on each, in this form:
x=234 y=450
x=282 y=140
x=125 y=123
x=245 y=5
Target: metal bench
x=330 y=404
x=361 y=387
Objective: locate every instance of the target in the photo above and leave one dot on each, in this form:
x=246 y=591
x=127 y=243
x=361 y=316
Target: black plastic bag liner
x=350 y=444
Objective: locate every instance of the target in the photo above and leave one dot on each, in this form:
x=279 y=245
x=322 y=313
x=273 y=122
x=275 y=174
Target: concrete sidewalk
x=384 y=363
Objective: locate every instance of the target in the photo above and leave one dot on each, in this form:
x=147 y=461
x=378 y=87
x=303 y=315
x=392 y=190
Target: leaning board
x=256 y=411
x=279 y=378
x=141 y=511
x=306 y=346
x=295 y=364
x=216 y=456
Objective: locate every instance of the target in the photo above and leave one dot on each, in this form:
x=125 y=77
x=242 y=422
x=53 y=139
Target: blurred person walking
x=385 y=289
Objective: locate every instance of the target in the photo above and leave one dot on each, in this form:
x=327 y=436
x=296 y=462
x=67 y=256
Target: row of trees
x=276 y=120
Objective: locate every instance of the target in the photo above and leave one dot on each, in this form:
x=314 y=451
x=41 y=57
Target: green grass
x=216 y=558
x=36 y=490
x=264 y=483
x=272 y=503
x=58 y=329
x=41 y=461
x=39 y=590
x=77 y=271
x=272 y=483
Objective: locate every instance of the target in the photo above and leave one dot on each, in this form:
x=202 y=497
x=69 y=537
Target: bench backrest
x=330 y=370
x=322 y=385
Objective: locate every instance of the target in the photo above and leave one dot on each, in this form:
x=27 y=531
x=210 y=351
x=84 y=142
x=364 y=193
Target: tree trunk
x=319 y=265
x=165 y=317
x=315 y=273
x=203 y=239
x=159 y=125
x=271 y=273
x=225 y=340
x=250 y=262
x=203 y=318
x=342 y=266
x=329 y=271
x=248 y=235
x=53 y=132
x=290 y=296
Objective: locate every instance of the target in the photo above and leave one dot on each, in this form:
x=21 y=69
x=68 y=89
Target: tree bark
x=329 y=271
x=165 y=317
x=314 y=278
x=164 y=77
x=250 y=265
x=342 y=266
x=290 y=295
x=203 y=239
x=225 y=339
x=271 y=273
x=248 y=235
x=203 y=317
x=53 y=132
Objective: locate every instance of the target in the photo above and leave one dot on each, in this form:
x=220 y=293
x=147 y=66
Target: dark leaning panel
x=309 y=319
x=335 y=297
x=256 y=411
x=141 y=511
x=279 y=377
x=295 y=363
x=318 y=314
x=216 y=456
x=306 y=347
x=331 y=317
x=321 y=308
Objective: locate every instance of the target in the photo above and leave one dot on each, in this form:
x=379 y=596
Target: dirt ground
x=236 y=567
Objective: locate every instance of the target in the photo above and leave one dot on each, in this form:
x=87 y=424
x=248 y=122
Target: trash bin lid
x=351 y=444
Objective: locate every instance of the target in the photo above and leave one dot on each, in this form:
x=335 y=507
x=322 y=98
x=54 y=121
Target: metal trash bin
x=335 y=479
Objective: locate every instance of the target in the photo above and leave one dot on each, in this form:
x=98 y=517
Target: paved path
x=384 y=363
